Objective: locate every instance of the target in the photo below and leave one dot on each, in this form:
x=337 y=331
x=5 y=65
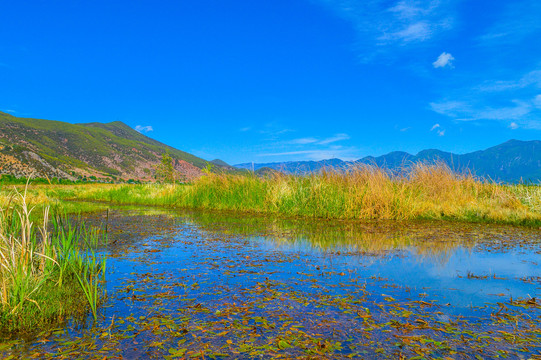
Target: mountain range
x=115 y=151
x=513 y=161
x=94 y=150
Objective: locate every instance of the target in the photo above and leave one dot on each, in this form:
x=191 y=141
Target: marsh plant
x=419 y=191
x=48 y=272
x=366 y=192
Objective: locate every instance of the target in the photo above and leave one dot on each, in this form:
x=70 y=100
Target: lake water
x=218 y=285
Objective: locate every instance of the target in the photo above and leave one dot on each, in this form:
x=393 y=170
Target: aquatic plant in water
x=43 y=270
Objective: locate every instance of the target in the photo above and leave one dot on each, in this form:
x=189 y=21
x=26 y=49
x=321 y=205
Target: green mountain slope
x=55 y=148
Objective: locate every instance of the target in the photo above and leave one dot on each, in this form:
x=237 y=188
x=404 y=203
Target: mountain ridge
x=512 y=161
x=101 y=150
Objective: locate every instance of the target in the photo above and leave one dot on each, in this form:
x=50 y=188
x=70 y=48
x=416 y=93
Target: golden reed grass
x=366 y=192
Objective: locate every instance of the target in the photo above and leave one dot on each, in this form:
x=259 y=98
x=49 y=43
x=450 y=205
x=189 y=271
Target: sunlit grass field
x=363 y=193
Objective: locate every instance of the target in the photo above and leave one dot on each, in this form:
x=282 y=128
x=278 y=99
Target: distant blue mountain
x=512 y=161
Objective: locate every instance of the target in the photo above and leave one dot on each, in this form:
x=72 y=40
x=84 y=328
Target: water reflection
x=463 y=264
x=436 y=241
x=221 y=283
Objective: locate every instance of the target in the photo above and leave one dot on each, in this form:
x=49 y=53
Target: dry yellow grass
x=369 y=192
x=364 y=192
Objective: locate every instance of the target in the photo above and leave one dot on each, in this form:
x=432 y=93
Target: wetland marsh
x=216 y=285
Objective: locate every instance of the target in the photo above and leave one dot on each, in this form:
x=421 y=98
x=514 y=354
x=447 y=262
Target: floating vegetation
x=184 y=286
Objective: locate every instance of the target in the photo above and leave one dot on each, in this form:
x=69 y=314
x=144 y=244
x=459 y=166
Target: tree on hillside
x=165 y=172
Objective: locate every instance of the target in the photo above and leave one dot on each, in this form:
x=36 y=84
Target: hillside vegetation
x=70 y=151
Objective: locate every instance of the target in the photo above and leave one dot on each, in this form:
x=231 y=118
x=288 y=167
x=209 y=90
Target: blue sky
x=281 y=80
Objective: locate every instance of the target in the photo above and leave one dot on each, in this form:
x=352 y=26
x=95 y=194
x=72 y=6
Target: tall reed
x=39 y=267
x=418 y=191
x=367 y=192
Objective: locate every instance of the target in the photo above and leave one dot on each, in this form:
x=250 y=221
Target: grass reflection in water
x=203 y=284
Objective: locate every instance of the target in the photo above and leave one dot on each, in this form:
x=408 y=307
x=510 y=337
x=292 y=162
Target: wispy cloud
x=439 y=130
x=9 y=111
x=513 y=125
x=382 y=23
x=537 y=101
x=526 y=80
x=467 y=112
x=445 y=59
x=273 y=130
x=302 y=141
x=516 y=112
x=143 y=129
x=244 y=129
x=312 y=148
x=418 y=31
x=317 y=154
x=312 y=140
x=333 y=139
x=510 y=101
x=450 y=108
x=518 y=20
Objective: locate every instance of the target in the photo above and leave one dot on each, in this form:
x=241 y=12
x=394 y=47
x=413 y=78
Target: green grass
x=366 y=193
x=44 y=269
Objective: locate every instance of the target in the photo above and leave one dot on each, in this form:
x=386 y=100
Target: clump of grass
x=134 y=194
x=364 y=192
x=40 y=268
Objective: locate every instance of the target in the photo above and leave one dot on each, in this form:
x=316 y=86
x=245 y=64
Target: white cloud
x=505 y=113
x=302 y=141
x=466 y=112
x=450 y=108
x=312 y=148
x=383 y=23
x=532 y=78
x=518 y=19
x=9 y=111
x=318 y=154
x=244 y=129
x=537 y=101
x=445 y=59
x=143 y=129
x=407 y=9
x=513 y=125
x=419 y=31
x=285 y=153
x=439 y=130
x=311 y=140
x=335 y=138
x=273 y=129
x=516 y=101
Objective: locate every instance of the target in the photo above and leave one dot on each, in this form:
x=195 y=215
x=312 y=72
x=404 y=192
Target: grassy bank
x=369 y=193
x=48 y=272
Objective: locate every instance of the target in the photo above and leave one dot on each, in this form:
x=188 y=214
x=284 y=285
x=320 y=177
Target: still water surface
x=215 y=285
